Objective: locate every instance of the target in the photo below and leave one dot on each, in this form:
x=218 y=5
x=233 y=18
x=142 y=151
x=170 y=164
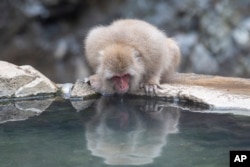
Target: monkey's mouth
x=122 y=90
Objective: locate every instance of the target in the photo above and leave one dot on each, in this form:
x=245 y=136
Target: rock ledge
x=23 y=81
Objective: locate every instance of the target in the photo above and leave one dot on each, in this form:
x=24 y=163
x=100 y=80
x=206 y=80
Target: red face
x=121 y=83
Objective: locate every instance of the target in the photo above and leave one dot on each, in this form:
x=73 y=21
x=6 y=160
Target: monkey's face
x=120 y=69
x=125 y=80
x=121 y=83
x=118 y=82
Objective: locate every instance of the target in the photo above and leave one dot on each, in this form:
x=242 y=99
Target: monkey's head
x=121 y=68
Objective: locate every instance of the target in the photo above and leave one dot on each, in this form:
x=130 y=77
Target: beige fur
x=130 y=45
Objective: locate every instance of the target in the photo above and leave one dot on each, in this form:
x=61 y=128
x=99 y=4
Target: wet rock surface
x=204 y=91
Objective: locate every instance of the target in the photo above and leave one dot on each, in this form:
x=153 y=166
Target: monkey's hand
x=94 y=82
x=150 y=88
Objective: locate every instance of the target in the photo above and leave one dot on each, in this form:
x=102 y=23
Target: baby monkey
x=128 y=55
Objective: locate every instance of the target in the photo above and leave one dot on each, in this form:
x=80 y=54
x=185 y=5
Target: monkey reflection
x=130 y=131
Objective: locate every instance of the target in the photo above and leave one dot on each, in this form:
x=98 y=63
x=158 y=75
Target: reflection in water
x=22 y=110
x=130 y=132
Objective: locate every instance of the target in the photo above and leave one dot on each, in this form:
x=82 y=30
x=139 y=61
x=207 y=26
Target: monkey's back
x=147 y=39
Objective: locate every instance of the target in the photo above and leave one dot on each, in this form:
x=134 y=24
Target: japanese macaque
x=128 y=55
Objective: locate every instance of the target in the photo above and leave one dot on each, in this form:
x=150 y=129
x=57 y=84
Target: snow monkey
x=128 y=55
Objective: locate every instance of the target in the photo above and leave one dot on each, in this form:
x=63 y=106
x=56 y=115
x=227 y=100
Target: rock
x=82 y=89
x=12 y=78
x=162 y=14
x=241 y=34
x=241 y=37
x=202 y=91
x=186 y=42
x=34 y=8
x=23 y=81
x=202 y=61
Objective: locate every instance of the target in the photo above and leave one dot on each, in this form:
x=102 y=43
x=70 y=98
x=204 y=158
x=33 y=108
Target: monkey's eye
x=121 y=77
x=126 y=76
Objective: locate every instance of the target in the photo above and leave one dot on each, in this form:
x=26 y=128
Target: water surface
x=122 y=132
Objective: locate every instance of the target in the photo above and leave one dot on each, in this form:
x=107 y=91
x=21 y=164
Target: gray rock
x=12 y=78
x=82 y=89
x=186 y=42
x=215 y=25
x=23 y=81
x=162 y=14
x=241 y=34
x=202 y=61
x=34 y=8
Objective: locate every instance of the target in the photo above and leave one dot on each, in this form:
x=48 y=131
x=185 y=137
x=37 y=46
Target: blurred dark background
x=214 y=35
